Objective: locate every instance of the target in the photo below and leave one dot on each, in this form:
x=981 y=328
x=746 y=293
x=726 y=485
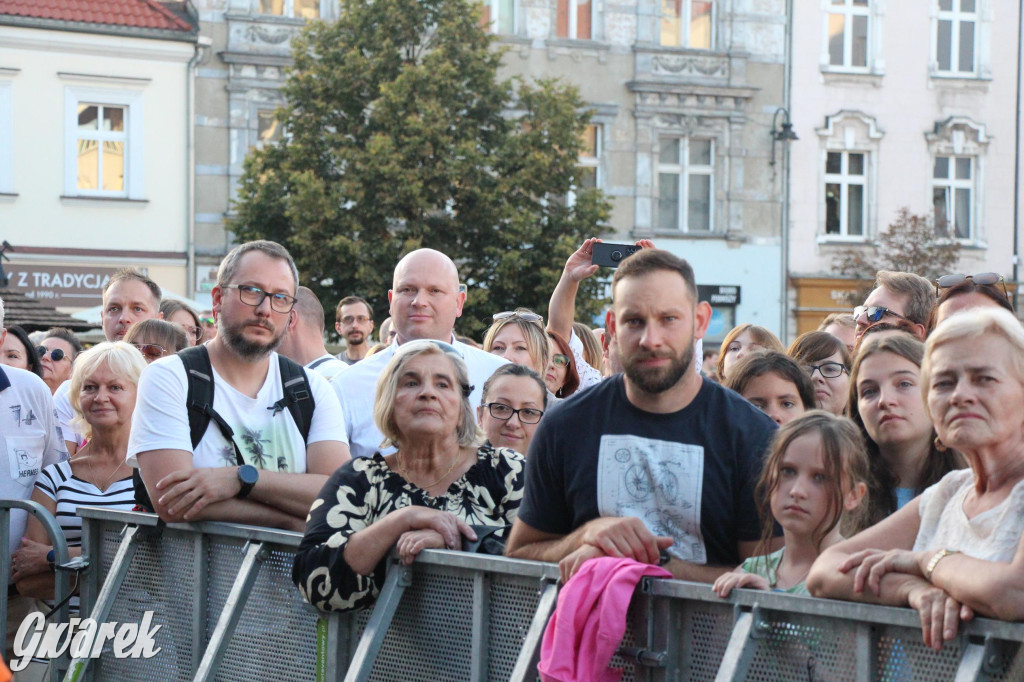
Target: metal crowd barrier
x=228 y=610
x=62 y=582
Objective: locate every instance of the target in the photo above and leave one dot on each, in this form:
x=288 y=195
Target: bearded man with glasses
x=261 y=470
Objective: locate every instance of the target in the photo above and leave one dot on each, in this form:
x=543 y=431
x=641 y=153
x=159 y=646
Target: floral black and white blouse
x=365 y=490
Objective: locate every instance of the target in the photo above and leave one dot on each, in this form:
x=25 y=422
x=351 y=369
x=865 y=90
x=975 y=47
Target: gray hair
x=387 y=387
x=229 y=266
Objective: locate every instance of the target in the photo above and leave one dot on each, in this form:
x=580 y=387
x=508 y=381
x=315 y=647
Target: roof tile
x=137 y=13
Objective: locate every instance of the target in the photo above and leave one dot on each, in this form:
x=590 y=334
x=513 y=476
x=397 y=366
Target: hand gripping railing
x=62 y=580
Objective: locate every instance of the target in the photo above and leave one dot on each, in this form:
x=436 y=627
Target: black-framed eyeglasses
x=829 y=370
x=151 y=351
x=527 y=415
x=56 y=354
x=560 y=360
x=250 y=295
x=874 y=313
x=524 y=315
x=982 y=278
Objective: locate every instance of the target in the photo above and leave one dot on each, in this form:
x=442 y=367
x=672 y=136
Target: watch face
x=248 y=474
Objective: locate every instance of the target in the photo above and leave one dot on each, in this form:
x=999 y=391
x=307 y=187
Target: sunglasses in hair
x=874 y=313
x=525 y=316
x=151 y=351
x=981 y=278
x=56 y=354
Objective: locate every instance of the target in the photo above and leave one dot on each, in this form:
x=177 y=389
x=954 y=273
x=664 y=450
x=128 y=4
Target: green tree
x=401 y=135
x=911 y=243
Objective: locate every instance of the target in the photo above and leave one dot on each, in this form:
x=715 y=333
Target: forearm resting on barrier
x=365 y=548
x=993 y=589
x=624 y=536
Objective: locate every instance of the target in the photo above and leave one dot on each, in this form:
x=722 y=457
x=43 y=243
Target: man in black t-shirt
x=655 y=459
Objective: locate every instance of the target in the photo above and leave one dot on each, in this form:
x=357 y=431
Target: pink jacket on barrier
x=588 y=624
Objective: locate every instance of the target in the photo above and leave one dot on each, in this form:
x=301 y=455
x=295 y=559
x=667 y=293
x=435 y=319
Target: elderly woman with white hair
x=958 y=548
x=426 y=495
x=103 y=388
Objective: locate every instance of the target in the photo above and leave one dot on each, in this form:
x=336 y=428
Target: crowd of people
x=879 y=458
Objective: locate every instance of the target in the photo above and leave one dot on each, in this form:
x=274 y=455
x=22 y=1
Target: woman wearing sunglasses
x=156 y=339
x=57 y=352
x=826 y=359
x=961 y=292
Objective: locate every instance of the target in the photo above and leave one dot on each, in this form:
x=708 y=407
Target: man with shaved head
x=425 y=302
x=304 y=340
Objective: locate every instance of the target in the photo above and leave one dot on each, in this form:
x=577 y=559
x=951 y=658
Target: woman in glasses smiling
x=827 y=361
x=514 y=399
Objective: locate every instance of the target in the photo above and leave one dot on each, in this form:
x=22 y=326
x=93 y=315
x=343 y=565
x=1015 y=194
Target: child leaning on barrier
x=815 y=475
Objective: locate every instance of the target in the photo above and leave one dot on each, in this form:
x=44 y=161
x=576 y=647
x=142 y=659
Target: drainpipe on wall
x=202 y=43
x=787 y=85
x=1016 y=156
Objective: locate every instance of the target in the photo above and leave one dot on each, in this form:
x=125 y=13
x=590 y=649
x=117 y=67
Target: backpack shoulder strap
x=298 y=398
x=199 y=374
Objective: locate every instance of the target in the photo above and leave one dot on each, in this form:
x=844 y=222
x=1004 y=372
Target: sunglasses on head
x=151 y=351
x=874 y=313
x=56 y=354
x=525 y=316
x=981 y=278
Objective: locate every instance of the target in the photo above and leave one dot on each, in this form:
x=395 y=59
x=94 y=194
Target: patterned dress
x=365 y=490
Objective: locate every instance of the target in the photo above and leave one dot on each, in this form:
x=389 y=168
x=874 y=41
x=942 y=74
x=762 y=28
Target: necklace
x=103 y=488
x=405 y=472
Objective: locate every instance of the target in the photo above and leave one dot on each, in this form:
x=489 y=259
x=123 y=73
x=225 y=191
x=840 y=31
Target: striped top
x=68 y=491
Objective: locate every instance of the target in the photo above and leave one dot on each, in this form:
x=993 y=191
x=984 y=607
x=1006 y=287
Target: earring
x=939 y=445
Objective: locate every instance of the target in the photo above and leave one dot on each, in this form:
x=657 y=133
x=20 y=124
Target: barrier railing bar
x=255 y=553
x=199 y=566
x=338 y=648
x=359 y=668
x=974 y=660
x=270 y=536
x=865 y=655
x=481 y=628
x=62 y=580
x=659 y=626
x=529 y=656
x=100 y=612
x=740 y=649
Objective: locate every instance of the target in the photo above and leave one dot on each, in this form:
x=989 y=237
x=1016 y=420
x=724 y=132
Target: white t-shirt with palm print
x=268 y=439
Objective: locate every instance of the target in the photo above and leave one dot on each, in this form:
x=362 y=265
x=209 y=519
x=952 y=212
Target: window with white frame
x=955 y=36
x=103 y=143
x=685 y=184
x=687 y=23
x=298 y=9
x=588 y=168
x=953 y=196
x=268 y=128
x=847 y=33
x=499 y=16
x=846 y=194
x=574 y=20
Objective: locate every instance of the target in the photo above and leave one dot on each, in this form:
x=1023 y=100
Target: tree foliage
x=909 y=244
x=399 y=135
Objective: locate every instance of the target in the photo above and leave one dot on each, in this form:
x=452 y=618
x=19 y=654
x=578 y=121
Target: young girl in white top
x=815 y=476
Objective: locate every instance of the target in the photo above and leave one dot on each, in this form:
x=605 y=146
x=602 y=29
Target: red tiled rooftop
x=135 y=13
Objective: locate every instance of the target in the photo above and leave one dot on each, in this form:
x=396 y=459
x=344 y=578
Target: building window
x=955 y=33
x=298 y=9
x=588 y=169
x=687 y=23
x=268 y=128
x=574 y=19
x=845 y=193
x=499 y=16
x=103 y=143
x=952 y=195
x=847 y=30
x=685 y=184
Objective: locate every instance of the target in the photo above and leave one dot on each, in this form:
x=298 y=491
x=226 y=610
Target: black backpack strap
x=298 y=398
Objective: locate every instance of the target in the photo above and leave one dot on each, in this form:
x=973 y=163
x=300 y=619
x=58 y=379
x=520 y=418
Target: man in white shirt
x=425 y=302
x=30 y=440
x=128 y=297
x=265 y=475
x=304 y=340
x=354 y=323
